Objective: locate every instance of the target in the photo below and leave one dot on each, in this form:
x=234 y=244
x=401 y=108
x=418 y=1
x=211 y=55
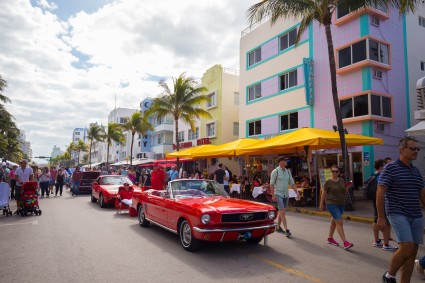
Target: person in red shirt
x=125 y=195
x=158 y=177
x=76 y=180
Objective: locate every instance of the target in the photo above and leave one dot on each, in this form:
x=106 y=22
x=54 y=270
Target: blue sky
x=64 y=68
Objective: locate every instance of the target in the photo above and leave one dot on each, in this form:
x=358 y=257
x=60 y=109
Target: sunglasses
x=412 y=148
x=335 y=171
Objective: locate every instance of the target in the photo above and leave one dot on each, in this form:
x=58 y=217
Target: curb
x=328 y=215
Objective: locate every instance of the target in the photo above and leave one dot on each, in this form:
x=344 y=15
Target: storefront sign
x=366 y=158
x=183 y=145
x=203 y=141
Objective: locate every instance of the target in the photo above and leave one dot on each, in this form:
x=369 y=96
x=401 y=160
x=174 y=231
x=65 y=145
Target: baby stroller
x=4 y=198
x=29 y=199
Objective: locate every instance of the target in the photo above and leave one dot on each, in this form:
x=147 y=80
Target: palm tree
x=3 y=84
x=81 y=146
x=137 y=123
x=183 y=102
x=94 y=134
x=114 y=134
x=320 y=11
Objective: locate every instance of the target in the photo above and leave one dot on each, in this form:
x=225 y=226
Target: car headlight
x=272 y=214
x=205 y=218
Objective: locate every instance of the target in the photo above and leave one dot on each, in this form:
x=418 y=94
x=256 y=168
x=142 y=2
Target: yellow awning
x=226 y=150
x=314 y=138
x=188 y=151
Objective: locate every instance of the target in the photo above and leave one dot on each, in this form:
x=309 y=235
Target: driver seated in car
x=125 y=195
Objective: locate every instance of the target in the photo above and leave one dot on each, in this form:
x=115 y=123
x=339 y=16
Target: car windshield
x=196 y=188
x=116 y=180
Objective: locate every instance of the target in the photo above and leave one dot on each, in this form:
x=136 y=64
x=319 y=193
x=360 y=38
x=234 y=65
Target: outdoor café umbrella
x=302 y=138
x=225 y=150
x=188 y=152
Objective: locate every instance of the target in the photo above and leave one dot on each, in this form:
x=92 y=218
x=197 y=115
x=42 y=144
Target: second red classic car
x=105 y=188
x=199 y=210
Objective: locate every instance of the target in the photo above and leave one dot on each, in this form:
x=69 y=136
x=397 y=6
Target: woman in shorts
x=334 y=194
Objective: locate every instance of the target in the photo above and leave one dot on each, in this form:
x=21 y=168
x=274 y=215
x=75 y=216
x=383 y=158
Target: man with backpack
x=371 y=188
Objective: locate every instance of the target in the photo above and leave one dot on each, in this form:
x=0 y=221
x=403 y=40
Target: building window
x=254 y=128
x=358 y=106
x=287 y=40
x=158 y=120
x=254 y=56
x=236 y=128
x=236 y=98
x=344 y=8
x=289 y=121
x=159 y=139
x=254 y=92
x=181 y=136
x=210 y=129
x=122 y=120
x=213 y=100
x=288 y=80
x=77 y=133
x=193 y=135
x=422 y=66
x=380 y=7
x=362 y=50
x=422 y=21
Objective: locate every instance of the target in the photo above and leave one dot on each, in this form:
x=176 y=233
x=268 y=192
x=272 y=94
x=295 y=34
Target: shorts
x=407 y=229
x=282 y=202
x=336 y=210
x=18 y=193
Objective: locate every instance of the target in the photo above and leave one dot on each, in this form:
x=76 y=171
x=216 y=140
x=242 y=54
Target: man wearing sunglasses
x=400 y=190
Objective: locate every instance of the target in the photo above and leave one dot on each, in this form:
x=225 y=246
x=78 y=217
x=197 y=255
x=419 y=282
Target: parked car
x=105 y=188
x=199 y=210
x=87 y=180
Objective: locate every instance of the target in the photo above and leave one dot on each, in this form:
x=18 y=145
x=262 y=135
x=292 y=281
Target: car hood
x=225 y=205
x=113 y=189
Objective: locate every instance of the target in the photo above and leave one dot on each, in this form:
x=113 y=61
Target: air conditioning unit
x=380 y=127
x=375 y=21
x=377 y=74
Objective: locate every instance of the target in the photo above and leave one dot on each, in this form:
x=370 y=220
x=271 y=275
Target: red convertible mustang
x=105 y=188
x=199 y=210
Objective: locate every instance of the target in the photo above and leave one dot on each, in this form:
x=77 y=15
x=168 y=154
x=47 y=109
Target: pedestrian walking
x=333 y=193
x=44 y=182
x=76 y=180
x=400 y=192
x=60 y=181
x=53 y=172
x=219 y=175
x=280 y=181
x=12 y=181
x=373 y=184
x=22 y=174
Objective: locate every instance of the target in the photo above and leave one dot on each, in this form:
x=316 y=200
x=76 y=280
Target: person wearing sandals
x=334 y=194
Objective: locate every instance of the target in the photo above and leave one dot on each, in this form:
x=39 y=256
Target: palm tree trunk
x=107 y=156
x=176 y=127
x=338 y=116
x=91 y=142
x=131 y=148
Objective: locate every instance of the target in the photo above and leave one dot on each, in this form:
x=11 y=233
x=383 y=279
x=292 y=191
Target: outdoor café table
x=235 y=188
x=258 y=191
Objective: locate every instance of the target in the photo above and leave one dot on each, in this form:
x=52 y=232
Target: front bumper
x=232 y=233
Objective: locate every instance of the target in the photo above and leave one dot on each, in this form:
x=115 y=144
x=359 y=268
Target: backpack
x=369 y=190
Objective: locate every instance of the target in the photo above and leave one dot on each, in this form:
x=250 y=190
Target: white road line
x=35 y=222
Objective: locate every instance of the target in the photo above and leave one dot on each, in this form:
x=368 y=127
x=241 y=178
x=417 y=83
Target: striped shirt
x=404 y=185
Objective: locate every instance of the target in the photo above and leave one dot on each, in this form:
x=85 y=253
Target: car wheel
x=102 y=201
x=254 y=240
x=93 y=199
x=186 y=237
x=142 y=219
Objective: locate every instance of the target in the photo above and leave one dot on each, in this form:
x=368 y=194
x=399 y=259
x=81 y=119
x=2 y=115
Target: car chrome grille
x=244 y=217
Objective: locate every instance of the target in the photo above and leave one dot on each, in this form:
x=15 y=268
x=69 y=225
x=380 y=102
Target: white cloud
x=125 y=44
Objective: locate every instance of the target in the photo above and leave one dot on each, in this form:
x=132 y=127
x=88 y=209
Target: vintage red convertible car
x=105 y=188
x=199 y=210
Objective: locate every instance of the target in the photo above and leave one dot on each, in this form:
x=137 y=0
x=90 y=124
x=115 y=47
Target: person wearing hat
x=280 y=180
x=125 y=195
x=22 y=174
x=158 y=178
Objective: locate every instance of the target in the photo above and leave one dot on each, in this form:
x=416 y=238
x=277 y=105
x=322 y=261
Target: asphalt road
x=76 y=241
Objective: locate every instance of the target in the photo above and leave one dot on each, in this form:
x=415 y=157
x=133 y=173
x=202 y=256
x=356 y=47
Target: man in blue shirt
x=400 y=190
x=173 y=173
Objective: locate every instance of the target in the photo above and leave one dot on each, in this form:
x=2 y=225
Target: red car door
x=156 y=208
x=96 y=186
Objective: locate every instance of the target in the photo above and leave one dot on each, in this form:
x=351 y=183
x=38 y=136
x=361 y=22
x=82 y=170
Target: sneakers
x=347 y=245
x=288 y=233
x=389 y=247
x=418 y=267
x=278 y=229
x=378 y=244
x=332 y=242
x=385 y=279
